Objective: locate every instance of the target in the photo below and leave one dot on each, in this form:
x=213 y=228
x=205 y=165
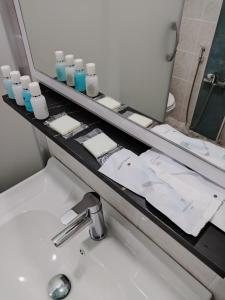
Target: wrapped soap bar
x=140 y=120
x=99 y=144
x=109 y=103
x=65 y=125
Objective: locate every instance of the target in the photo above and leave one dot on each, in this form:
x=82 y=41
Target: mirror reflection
x=132 y=44
x=198 y=83
x=120 y=53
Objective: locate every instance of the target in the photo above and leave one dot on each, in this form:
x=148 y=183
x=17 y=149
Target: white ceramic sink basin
x=125 y=265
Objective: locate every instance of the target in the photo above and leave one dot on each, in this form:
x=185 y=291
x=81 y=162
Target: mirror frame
x=144 y=135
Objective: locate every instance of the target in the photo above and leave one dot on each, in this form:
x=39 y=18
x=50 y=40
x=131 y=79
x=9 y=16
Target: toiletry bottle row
x=72 y=72
x=25 y=92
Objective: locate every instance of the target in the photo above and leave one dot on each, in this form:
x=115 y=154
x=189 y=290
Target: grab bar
x=170 y=57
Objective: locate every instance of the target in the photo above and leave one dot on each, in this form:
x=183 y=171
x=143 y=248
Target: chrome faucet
x=214 y=80
x=91 y=215
x=210 y=78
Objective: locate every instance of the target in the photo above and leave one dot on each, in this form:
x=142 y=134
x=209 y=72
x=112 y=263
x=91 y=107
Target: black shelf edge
x=209 y=246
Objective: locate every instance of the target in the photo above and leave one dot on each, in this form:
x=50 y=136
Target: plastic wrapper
x=129 y=113
x=69 y=134
x=106 y=152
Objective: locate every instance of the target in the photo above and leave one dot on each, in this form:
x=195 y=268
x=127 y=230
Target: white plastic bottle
x=17 y=87
x=70 y=70
x=7 y=82
x=38 y=102
x=60 y=66
x=92 y=84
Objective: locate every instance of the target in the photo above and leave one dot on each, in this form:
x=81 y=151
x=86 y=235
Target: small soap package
x=138 y=119
x=111 y=104
x=65 y=125
x=99 y=145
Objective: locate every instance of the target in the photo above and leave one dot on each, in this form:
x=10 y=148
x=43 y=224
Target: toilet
x=171 y=103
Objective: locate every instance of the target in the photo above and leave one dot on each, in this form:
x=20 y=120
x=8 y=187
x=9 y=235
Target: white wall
x=19 y=154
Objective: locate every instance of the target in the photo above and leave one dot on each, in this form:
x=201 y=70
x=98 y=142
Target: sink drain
x=59 y=287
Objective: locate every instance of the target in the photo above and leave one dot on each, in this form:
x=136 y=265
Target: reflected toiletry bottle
x=70 y=70
x=7 y=82
x=80 y=76
x=38 y=102
x=25 y=81
x=60 y=66
x=92 y=85
x=17 y=87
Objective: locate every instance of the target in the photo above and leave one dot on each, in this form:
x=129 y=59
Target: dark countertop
x=209 y=246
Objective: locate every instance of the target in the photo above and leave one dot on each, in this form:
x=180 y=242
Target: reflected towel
x=209 y=151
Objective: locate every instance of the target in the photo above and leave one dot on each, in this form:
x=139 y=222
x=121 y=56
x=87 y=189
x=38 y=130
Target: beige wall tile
x=193 y=8
x=212 y=10
x=181 y=91
x=206 y=35
x=196 y=89
x=184 y=64
x=189 y=34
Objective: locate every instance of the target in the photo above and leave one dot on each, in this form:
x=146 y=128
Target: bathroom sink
x=125 y=265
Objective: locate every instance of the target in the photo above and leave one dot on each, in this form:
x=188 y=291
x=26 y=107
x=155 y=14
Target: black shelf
x=209 y=246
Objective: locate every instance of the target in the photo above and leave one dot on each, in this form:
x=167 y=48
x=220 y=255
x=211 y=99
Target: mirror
x=197 y=124
x=131 y=42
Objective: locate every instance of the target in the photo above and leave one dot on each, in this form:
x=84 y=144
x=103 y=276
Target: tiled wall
x=198 y=27
x=212 y=99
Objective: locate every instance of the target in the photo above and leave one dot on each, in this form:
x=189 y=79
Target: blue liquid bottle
x=25 y=81
x=60 y=66
x=79 y=76
x=7 y=82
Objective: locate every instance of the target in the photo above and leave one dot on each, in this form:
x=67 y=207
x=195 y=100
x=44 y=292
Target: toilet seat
x=171 y=103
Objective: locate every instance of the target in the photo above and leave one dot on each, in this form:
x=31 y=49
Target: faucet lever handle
x=91 y=201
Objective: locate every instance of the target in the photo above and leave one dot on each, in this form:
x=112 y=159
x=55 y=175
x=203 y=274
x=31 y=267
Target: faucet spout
x=74 y=227
x=92 y=216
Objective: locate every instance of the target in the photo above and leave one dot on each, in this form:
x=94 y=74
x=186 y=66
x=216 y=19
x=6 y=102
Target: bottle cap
x=69 y=59
x=15 y=76
x=5 y=71
x=25 y=80
x=79 y=64
x=90 y=69
x=34 y=88
x=59 y=55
